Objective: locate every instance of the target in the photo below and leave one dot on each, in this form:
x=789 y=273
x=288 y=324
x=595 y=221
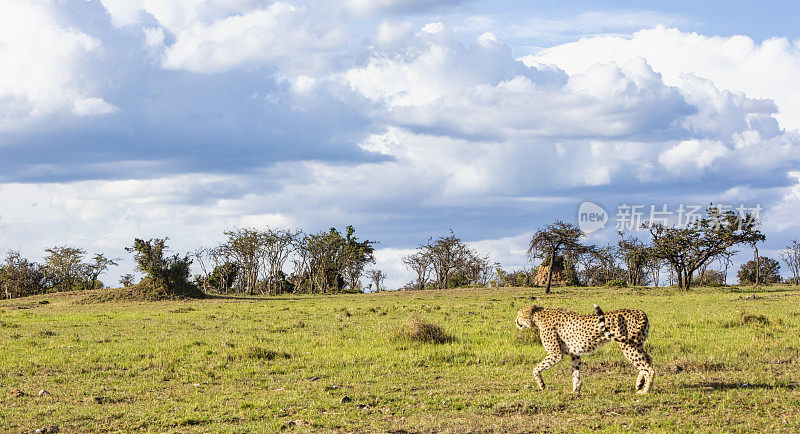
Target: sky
x=403 y=118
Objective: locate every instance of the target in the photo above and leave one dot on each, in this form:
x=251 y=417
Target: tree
x=753 y=237
x=223 y=277
x=420 y=263
x=99 y=265
x=377 y=277
x=791 y=257
x=126 y=280
x=600 y=265
x=301 y=273
x=766 y=269
x=480 y=269
x=247 y=248
x=329 y=262
x=64 y=267
x=279 y=245
x=691 y=247
x=726 y=260
x=163 y=274
x=20 y=277
x=653 y=267
x=356 y=256
x=446 y=254
x=711 y=278
x=449 y=263
x=556 y=239
x=513 y=278
x=635 y=255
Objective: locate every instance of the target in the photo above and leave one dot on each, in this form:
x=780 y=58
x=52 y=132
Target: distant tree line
x=446 y=262
x=697 y=254
x=276 y=261
x=63 y=269
x=256 y=261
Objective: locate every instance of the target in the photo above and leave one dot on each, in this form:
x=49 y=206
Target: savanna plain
x=726 y=359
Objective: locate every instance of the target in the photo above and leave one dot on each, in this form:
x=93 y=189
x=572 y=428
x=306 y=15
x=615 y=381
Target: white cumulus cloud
x=218 y=36
x=44 y=66
x=767 y=70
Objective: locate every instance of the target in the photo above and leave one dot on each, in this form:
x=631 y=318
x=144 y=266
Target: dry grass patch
x=743 y=318
x=266 y=354
x=418 y=330
x=688 y=365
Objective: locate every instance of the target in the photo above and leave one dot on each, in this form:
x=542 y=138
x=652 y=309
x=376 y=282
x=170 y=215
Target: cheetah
x=565 y=332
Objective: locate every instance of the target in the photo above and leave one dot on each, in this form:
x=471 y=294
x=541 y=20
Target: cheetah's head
x=525 y=317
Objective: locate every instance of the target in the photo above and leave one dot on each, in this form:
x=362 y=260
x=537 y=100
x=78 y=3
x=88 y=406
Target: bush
x=514 y=278
x=616 y=283
x=168 y=275
x=417 y=330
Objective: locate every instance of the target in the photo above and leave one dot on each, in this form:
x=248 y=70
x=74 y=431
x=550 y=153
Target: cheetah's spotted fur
x=566 y=332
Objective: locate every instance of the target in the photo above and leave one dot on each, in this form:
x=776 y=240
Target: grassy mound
x=139 y=293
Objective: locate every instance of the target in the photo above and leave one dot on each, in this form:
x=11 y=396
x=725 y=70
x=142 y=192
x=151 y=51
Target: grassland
x=726 y=360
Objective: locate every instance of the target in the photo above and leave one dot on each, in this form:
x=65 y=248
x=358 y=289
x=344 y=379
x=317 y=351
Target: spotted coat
x=565 y=332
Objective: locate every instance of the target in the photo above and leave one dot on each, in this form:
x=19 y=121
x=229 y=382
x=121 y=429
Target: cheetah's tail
x=601 y=317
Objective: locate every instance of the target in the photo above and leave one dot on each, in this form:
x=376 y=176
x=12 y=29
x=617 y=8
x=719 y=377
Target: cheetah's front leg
x=576 y=375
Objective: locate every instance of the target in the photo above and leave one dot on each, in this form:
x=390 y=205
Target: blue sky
x=405 y=118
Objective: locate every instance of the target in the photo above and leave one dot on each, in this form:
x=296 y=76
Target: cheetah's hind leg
x=640 y=380
x=641 y=361
x=550 y=343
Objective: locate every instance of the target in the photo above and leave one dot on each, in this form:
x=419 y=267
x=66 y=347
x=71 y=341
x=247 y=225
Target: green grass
x=725 y=360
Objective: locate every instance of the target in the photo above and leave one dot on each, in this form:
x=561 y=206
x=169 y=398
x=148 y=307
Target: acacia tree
x=556 y=239
x=726 y=260
x=753 y=237
x=791 y=257
x=653 y=266
x=356 y=256
x=301 y=273
x=691 y=247
x=449 y=263
x=602 y=261
x=219 y=269
x=99 y=265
